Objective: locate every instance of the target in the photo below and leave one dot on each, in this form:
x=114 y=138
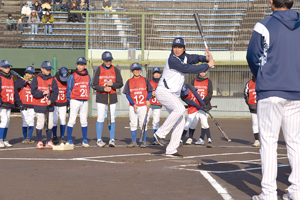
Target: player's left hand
x=209 y=57
x=109 y=83
x=49 y=102
x=107 y=89
x=148 y=104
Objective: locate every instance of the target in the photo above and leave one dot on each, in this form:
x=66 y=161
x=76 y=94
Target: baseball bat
x=14 y=73
x=199 y=25
x=219 y=127
x=47 y=110
x=144 y=125
x=108 y=109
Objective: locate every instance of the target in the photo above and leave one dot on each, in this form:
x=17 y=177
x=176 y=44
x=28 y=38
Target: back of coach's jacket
x=273 y=55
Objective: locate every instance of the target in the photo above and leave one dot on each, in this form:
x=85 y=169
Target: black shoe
x=55 y=140
x=160 y=141
x=175 y=155
x=62 y=140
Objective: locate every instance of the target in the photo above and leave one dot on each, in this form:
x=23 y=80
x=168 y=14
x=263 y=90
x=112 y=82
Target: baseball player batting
x=168 y=91
x=273 y=57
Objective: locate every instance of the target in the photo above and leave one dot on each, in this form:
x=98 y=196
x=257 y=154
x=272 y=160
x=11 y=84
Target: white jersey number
x=61 y=96
x=139 y=99
x=28 y=97
x=10 y=96
x=83 y=92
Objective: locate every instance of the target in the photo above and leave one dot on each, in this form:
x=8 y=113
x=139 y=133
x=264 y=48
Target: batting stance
x=273 y=57
x=168 y=91
x=106 y=80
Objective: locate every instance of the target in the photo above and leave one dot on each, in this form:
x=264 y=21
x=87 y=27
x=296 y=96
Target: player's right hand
x=135 y=108
x=209 y=57
x=107 y=89
x=46 y=92
x=211 y=63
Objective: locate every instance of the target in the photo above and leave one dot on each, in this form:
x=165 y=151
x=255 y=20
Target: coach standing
x=273 y=56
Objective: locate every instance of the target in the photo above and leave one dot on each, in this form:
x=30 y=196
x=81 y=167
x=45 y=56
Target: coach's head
x=178 y=46
x=281 y=4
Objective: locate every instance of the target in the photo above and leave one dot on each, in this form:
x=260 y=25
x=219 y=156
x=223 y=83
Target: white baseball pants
x=192 y=120
x=134 y=117
x=254 y=123
x=273 y=113
x=75 y=106
x=61 y=113
x=4 y=117
x=175 y=119
x=28 y=117
x=156 y=117
x=101 y=112
x=40 y=122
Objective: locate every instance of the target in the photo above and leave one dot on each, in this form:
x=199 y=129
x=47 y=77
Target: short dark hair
x=283 y=3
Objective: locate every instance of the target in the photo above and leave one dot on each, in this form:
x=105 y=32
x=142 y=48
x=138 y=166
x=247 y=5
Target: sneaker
x=257 y=197
x=26 y=141
x=160 y=141
x=256 y=143
x=6 y=143
x=209 y=143
x=143 y=145
x=70 y=143
x=62 y=140
x=181 y=143
x=100 y=143
x=49 y=145
x=189 y=141
x=31 y=141
x=286 y=197
x=40 y=145
x=132 y=144
x=175 y=155
x=200 y=142
x=85 y=144
x=112 y=143
x=55 y=140
x=2 y=145
x=155 y=142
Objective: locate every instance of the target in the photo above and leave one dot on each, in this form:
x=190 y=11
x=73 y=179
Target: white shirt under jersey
x=173 y=78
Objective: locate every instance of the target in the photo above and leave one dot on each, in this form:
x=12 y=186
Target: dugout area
x=226 y=171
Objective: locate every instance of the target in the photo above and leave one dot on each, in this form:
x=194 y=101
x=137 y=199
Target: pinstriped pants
x=273 y=113
x=175 y=119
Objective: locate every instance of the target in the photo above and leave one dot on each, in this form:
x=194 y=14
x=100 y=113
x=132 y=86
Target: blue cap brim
x=5 y=66
x=47 y=67
x=106 y=59
x=63 y=79
x=83 y=63
x=29 y=72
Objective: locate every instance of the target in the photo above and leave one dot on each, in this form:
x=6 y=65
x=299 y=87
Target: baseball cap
x=46 y=65
x=156 y=69
x=81 y=60
x=135 y=66
x=30 y=70
x=184 y=90
x=178 y=42
x=63 y=74
x=107 y=56
x=5 y=63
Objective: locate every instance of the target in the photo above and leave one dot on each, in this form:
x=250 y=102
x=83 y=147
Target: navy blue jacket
x=39 y=94
x=273 y=55
x=60 y=104
x=16 y=94
x=185 y=92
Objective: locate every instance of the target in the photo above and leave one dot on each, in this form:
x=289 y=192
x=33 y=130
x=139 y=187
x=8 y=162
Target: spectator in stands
x=37 y=8
x=82 y=6
x=48 y=19
x=10 y=23
x=26 y=10
x=46 y=5
x=68 y=5
x=72 y=17
x=57 y=5
x=34 y=21
x=106 y=7
x=22 y=22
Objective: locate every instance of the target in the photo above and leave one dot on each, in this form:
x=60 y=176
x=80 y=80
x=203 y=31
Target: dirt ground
x=226 y=171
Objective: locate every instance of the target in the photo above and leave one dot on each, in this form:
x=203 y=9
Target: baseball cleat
x=287 y=197
x=49 y=145
x=181 y=143
x=55 y=140
x=26 y=141
x=40 y=145
x=2 y=145
x=143 y=145
x=256 y=143
x=132 y=144
x=160 y=141
x=175 y=155
x=112 y=143
x=155 y=142
x=200 y=142
x=100 y=143
x=85 y=144
x=62 y=141
x=70 y=143
x=189 y=141
x=257 y=197
x=209 y=143
x=6 y=143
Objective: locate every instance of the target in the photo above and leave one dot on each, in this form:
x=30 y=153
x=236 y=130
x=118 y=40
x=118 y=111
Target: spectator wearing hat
x=23 y=87
x=10 y=23
x=106 y=80
x=155 y=107
x=45 y=92
x=38 y=9
x=26 y=10
x=138 y=91
x=22 y=22
x=60 y=106
x=34 y=21
x=48 y=19
x=78 y=94
x=8 y=98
